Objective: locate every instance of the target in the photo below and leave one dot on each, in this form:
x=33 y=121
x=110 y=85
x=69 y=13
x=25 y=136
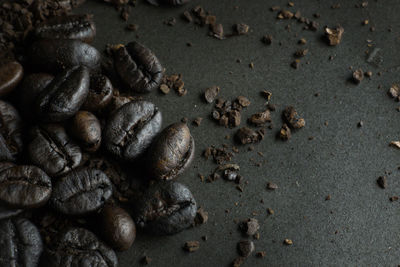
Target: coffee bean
x=81 y=192
x=6 y=213
x=63 y=97
x=165 y=208
x=100 y=93
x=85 y=128
x=171 y=153
x=138 y=67
x=169 y=2
x=11 y=74
x=10 y=132
x=24 y=187
x=54 y=55
x=79 y=27
x=131 y=128
x=117 y=227
x=29 y=90
x=79 y=247
x=20 y=243
x=52 y=150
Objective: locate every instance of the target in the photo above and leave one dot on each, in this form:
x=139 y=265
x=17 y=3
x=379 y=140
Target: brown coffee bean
x=85 y=128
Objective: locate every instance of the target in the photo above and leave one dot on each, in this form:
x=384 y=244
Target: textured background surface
x=342 y=160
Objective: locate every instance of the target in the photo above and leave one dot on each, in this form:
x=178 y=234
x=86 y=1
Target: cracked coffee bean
x=100 y=93
x=20 y=243
x=168 y=2
x=86 y=129
x=24 y=187
x=56 y=55
x=79 y=27
x=81 y=192
x=79 y=247
x=52 y=150
x=11 y=74
x=165 y=208
x=63 y=97
x=131 y=129
x=10 y=132
x=30 y=88
x=138 y=67
x=171 y=153
x=117 y=227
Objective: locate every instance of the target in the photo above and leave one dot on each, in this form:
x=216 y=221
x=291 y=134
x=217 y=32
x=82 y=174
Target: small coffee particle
x=238 y=261
x=368 y=74
x=285 y=133
x=201 y=216
x=210 y=20
x=184 y=120
x=186 y=15
x=246 y=135
x=302 y=41
x=197 y=121
x=395 y=144
x=295 y=64
x=288 y=242
x=301 y=53
x=394 y=91
x=132 y=27
x=261 y=254
x=360 y=124
x=164 y=89
x=217 y=31
x=285 y=14
x=275 y=8
x=211 y=93
x=293 y=119
x=204 y=237
x=394 y=198
x=328 y=197
x=267 y=39
x=245 y=248
x=170 y=22
x=146 y=260
x=358 y=76
x=241 y=28
x=191 y=246
x=260 y=118
x=243 y=101
x=365 y=22
x=382 y=182
x=334 y=35
x=272 y=186
x=250 y=226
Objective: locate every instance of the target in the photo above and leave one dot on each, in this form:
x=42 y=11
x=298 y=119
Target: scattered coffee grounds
x=227 y=113
x=382 y=182
x=334 y=35
x=211 y=93
x=288 y=242
x=292 y=118
x=250 y=226
x=191 y=246
x=285 y=133
x=358 y=76
x=174 y=82
x=272 y=186
x=246 y=135
x=245 y=248
x=220 y=155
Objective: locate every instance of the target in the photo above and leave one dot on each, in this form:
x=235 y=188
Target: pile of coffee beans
x=68 y=141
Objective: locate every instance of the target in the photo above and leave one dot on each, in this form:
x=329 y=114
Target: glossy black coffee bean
x=24 y=187
x=81 y=192
x=54 y=55
x=6 y=213
x=165 y=208
x=53 y=150
x=131 y=128
x=79 y=27
x=79 y=247
x=86 y=129
x=169 y=2
x=29 y=90
x=10 y=132
x=171 y=152
x=63 y=97
x=100 y=93
x=117 y=227
x=20 y=243
x=138 y=67
x=11 y=74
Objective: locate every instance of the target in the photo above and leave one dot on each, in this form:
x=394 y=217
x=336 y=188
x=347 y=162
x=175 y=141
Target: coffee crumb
x=358 y=76
x=382 y=182
x=328 y=197
x=241 y=28
x=272 y=186
x=197 y=121
x=288 y=242
x=245 y=248
x=146 y=260
x=395 y=144
x=334 y=35
x=132 y=27
x=250 y=226
x=191 y=246
x=164 y=89
x=267 y=39
x=238 y=261
x=295 y=64
x=394 y=198
x=285 y=132
x=261 y=254
x=292 y=118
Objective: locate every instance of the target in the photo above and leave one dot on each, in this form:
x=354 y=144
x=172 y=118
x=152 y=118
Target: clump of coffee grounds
x=227 y=113
x=174 y=82
x=123 y=7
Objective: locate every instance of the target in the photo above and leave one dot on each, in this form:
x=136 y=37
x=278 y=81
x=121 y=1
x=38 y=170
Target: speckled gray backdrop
x=359 y=225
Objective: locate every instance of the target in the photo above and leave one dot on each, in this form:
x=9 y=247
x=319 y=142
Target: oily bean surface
x=64 y=96
x=138 y=67
x=171 y=153
x=86 y=129
x=53 y=150
x=79 y=27
x=54 y=55
x=20 y=243
x=11 y=73
x=10 y=132
x=100 y=93
x=81 y=192
x=24 y=187
x=165 y=208
x=131 y=128
x=79 y=247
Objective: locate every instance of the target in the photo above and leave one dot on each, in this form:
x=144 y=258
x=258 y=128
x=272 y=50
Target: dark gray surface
x=343 y=160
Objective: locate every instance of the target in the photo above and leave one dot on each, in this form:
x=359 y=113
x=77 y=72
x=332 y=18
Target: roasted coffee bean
x=81 y=248
x=6 y=213
x=100 y=93
x=165 y=208
x=79 y=27
x=85 y=127
x=138 y=67
x=10 y=132
x=171 y=153
x=81 y=192
x=169 y=2
x=63 y=97
x=131 y=128
x=51 y=149
x=24 y=187
x=54 y=55
x=29 y=90
x=117 y=227
x=20 y=243
x=11 y=74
